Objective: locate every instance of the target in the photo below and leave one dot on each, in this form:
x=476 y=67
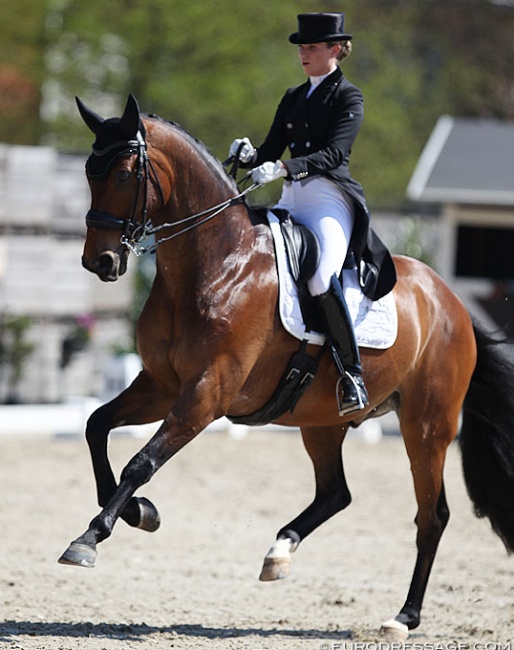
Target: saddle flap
x=302 y=247
x=375 y=322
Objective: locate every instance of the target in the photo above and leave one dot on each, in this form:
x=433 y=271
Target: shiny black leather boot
x=351 y=392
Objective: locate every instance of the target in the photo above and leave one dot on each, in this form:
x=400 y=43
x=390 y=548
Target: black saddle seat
x=302 y=247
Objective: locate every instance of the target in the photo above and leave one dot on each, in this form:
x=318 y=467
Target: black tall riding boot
x=350 y=391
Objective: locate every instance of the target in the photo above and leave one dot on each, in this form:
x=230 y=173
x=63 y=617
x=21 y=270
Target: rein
x=139 y=250
x=136 y=231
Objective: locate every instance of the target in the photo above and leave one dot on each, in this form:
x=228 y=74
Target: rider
x=318 y=121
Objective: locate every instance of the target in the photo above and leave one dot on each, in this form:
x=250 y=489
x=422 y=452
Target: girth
x=297 y=377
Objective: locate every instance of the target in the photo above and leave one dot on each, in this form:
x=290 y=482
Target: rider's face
x=318 y=58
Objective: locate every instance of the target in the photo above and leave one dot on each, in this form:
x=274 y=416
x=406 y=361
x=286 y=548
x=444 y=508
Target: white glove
x=247 y=150
x=268 y=171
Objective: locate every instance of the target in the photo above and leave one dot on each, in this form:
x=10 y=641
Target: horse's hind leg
x=426 y=441
x=140 y=403
x=323 y=444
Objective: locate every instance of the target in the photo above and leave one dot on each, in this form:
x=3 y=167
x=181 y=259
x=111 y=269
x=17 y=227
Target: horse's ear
x=92 y=120
x=129 y=121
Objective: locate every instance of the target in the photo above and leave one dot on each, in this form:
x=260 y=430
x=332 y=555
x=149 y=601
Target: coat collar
x=332 y=80
x=328 y=84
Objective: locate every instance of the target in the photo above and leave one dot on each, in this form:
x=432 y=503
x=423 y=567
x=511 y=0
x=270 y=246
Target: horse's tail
x=487 y=438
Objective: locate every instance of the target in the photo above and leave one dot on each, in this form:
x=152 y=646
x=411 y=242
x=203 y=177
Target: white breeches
x=320 y=205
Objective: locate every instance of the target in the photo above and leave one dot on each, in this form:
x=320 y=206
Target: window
x=485 y=252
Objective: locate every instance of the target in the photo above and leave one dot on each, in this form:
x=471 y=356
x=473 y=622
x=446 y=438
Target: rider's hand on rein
x=244 y=147
x=268 y=172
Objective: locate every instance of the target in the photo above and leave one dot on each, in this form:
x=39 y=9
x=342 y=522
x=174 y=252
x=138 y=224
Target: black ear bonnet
x=111 y=143
x=115 y=137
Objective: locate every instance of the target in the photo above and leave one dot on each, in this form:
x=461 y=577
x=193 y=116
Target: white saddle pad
x=375 y=322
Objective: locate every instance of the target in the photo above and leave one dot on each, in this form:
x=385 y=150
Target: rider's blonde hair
x=345 y=51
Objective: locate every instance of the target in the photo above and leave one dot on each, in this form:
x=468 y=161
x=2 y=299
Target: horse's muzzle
x=108 y=266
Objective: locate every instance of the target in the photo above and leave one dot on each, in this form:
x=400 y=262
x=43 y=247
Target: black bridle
x=135 y=230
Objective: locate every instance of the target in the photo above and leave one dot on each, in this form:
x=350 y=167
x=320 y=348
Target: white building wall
x=43 y=199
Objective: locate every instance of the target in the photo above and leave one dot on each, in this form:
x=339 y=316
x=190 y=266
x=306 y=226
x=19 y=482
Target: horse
x=212 y=344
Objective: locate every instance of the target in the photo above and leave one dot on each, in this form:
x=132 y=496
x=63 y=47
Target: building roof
x=466 y=161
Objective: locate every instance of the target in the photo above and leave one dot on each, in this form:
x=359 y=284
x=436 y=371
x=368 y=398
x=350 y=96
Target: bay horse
x=212 y=344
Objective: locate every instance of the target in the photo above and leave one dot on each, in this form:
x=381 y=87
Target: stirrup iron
x=346 y=408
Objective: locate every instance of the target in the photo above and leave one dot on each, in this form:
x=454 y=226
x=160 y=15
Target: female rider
x=318 y=121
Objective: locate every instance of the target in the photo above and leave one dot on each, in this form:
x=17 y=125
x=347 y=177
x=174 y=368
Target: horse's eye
x=123 y=175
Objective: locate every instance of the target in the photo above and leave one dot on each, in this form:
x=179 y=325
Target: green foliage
x=219 y=69
x=22 y=69
x=389 y=143
x=412 y=240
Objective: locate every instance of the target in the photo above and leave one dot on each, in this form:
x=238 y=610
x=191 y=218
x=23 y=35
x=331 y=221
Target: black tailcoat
x=319 y=132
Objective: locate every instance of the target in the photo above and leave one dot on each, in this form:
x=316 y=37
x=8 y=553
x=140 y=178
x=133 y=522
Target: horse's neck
x=199 y=184
x=224 y=246
x=195 y=255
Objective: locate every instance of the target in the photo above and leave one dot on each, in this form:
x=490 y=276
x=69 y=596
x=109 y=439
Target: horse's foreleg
x=140 y=403
x=323 y=444
x=190 y=415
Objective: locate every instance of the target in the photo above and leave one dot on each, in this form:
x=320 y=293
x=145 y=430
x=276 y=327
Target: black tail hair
x=487 y=437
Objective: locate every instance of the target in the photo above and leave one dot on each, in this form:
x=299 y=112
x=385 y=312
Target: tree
x=22 y=69
x=220 y=70
x=415 y=62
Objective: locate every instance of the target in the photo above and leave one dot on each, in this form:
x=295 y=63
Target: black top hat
x=319 y=27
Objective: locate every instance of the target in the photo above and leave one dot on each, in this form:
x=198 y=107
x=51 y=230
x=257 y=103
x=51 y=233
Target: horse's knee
x=139 y=470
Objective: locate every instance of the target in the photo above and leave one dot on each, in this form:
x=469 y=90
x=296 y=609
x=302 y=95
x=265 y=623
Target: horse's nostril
x=105 y=263
x=106 y=266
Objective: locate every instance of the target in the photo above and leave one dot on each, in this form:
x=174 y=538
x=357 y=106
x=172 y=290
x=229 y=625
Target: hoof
x=78 y=554
x=275 y=568
x=149 y=518
x=393 y=631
